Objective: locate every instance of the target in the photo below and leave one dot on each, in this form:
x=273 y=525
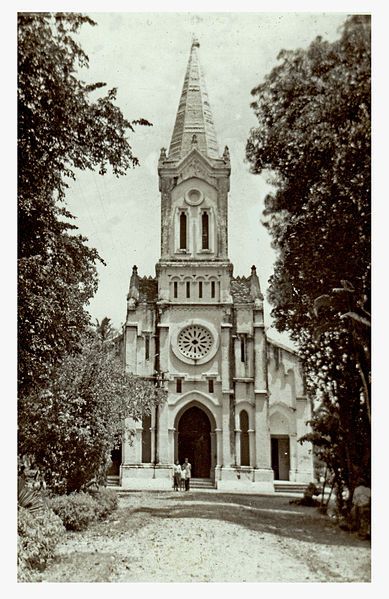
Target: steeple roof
x=194 y=123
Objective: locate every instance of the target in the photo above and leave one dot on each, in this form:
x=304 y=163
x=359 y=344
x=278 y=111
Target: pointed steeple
x=194 y=123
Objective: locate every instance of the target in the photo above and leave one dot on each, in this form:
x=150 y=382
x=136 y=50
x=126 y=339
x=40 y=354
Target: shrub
x=76 y=510
x=31 y=500
x=38 y=535
x=308 y=497
x=106 y=502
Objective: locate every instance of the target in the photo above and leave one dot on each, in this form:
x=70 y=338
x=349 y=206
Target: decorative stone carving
x=196 y=168
x=195 y=341
x=133 y=292
x=194 y=197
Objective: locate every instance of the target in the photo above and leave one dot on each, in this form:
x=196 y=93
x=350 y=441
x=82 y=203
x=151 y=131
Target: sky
x=145 y=57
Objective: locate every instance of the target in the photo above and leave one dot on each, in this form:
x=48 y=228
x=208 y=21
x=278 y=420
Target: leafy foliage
x=78 y=510
x=313 y=136
x=104 y=329
x=71 y=428
x=106 y=501
x=38 y=535
x=60 y=129
x=30 y=500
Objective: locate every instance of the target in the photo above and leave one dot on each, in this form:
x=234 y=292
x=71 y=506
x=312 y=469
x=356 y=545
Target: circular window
x=195 y=341
x=193 y=197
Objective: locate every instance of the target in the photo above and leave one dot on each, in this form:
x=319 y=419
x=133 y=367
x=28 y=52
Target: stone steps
x=113 y=481
x=280 y=486
x=287 y=486
x=201 y=483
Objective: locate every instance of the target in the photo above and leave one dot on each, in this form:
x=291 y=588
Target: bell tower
x=235 y=402
x=194 y=184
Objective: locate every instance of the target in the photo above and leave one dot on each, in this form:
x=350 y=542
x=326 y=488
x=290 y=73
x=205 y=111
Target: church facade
x=236 y=404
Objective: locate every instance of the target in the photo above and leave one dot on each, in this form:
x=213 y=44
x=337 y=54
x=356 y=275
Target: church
x=236 y=403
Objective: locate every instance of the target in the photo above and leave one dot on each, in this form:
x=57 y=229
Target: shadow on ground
x=258 y=513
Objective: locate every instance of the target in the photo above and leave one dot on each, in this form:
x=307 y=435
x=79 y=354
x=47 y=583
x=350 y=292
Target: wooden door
x=194 y=441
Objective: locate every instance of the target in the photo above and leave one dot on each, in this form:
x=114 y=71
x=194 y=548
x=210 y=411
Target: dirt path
x=211 y=537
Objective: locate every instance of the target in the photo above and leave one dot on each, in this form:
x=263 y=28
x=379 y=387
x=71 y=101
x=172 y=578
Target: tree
x=343 y=304
x=71 y=428
x=64 y=124
x=313 y=136
x=104 y=329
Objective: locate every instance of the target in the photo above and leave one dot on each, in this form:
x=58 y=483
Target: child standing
x=177 y=476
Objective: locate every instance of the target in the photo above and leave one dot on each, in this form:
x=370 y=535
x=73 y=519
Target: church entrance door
x=194 y=441
x=280 y=457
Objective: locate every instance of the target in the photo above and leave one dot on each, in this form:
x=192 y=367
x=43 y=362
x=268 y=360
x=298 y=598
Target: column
x=175 y=445
x=225 y=359
x=213 y=454
x=171 y=435
x=225 y=457
x=164 y=455
x=163 y=435
x=163 y=347
x=219 y=457
x=152 y=432
x=262 y=429
x=138 y=443
x=251 y=433
x=237 y=447
x=250 y=357
x=226 y=439
x=131 y=347
x=262 y=432
x=260 y=358
x=293 y=449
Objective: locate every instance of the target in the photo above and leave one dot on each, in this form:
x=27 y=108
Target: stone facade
x=236 y=403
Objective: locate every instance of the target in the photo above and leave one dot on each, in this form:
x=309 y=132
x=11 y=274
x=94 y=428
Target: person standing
x=183 y=478
x=177 y=476
x=188 y=470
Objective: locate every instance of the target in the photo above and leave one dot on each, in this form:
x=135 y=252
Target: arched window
x=213 y=289
x=146 y=439
x=244 y=439
x=182 y=231
x=205 y=231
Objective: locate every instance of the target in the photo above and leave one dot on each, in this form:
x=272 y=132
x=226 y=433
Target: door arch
x=194 y=440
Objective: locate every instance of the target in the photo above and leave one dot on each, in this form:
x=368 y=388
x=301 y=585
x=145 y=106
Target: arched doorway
x=280 y=445
x=194 y=441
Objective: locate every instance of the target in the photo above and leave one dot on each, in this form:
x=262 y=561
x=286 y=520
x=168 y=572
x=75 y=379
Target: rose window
x=195 y=341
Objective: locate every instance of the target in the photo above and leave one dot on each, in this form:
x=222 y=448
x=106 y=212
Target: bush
x=308 y=497
x=76 y=510
x=106 y=502
x=38 y=535
x=30 y=499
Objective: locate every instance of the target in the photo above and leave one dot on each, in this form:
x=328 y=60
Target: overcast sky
x=145 y=57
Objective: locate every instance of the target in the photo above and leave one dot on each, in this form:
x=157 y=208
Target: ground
x=211 y=537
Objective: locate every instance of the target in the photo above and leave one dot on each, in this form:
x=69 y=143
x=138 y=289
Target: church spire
x=194 y=123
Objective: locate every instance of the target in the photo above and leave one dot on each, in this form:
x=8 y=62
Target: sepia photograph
x=194 y=296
